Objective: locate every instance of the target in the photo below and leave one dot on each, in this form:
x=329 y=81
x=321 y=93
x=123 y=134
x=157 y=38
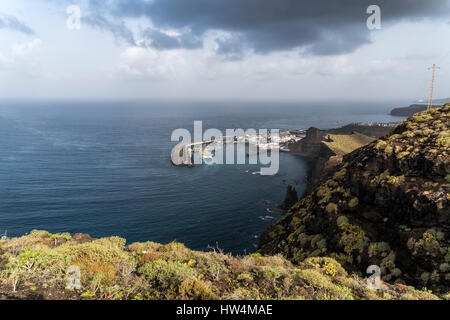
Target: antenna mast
x=430 y=99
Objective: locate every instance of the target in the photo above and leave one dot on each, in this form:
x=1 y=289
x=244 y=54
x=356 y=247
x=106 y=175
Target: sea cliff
x=385 y=204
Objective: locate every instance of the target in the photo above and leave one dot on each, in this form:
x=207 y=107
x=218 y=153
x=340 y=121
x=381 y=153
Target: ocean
x=103 y=168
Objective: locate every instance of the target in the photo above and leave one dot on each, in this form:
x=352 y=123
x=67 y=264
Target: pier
x=182 y=154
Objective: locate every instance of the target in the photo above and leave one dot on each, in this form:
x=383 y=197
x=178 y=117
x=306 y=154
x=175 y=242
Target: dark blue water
x=104 y=169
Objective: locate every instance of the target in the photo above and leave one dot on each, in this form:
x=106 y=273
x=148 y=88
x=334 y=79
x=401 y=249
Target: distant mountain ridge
x=409 y=111
x=417 y=106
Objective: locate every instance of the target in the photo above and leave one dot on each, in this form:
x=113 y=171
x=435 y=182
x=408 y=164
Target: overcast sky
x=223 y=49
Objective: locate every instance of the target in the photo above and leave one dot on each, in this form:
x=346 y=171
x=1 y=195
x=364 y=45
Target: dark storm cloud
x=118 y=29
x=324 y=27
x=12 y=23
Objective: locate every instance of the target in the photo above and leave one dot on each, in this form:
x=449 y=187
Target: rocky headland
x=385 y=204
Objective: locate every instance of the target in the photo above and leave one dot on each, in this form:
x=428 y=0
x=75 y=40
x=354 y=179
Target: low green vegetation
x=36 y=264
x=342 y=144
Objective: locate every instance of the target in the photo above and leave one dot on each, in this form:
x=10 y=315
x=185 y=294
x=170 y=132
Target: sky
x=223 y=49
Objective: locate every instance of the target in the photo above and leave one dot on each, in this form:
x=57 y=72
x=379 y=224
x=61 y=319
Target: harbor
x=183 y=154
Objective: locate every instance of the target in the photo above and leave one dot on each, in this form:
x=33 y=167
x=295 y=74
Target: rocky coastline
x=385 y=204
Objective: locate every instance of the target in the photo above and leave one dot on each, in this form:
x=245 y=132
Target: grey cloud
x=12 y=23
x=324 y=27
x=162 y=41
x=118 y=29
x=231 y=49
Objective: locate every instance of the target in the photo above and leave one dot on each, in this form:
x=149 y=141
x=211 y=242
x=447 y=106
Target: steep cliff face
x=311 y=145
x=316 y=153
x=290 y=199
x=386 y=204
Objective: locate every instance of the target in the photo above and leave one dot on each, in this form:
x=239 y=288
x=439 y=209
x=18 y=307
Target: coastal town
x=183 y=154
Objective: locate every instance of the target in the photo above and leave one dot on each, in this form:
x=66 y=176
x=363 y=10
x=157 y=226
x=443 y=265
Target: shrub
x=353 y=203
x=196 y=289
x=327 y=265
x=88 y=294
x=150 y=256
x=428 y=242
x=444 y=267
x=43 y=261
x=166 y=273
x=98 y=250
x=447 y=255
x=380 y=145
x=388 y=150
x=380 y=178
x=66 y=236
x=341 y=220
x=340 y=174
x=352 y=238
x=172 y=247
x=402 y=154
x=331 y=208
x=96 y=273
x=396 y=180
x=327 y=289
x=101 y=261
x=144 y=246
x=377 y=248
x=245 y=277
x=271 y=273
x=114 y=241
x=38 y=233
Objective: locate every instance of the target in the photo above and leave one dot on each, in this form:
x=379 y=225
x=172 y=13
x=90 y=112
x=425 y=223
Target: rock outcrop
x=386 y=204
x=311 y=145
x=316 y=153
x=290 y=199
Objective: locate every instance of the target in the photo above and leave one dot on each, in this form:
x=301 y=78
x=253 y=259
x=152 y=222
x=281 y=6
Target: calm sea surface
x=104 y=169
